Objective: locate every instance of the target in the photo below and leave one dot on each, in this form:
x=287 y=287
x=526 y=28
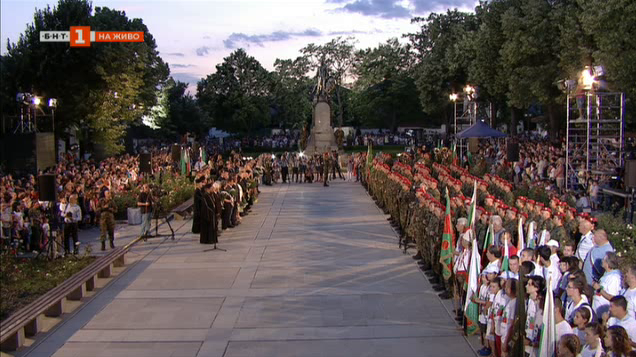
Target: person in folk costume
x=208 y=217
x=196 y=209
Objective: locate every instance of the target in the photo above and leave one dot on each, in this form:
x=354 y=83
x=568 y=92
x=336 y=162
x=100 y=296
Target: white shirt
x=554 y=258
x=509 y=275
x=628 y=323
x=483 y=295
x=563 y=328
x=589 y=352
x=499 y=306
x=586 y=243
x=611 y=283
x=508 y=317
x=552 y=272
x=570 y=307
x=630 y=295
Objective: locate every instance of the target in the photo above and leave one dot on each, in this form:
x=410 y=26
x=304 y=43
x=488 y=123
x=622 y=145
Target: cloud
x=189 y=78
x=346 y=33
x=425 y=6
x=388 y=9
x=178 y=65
x=202 y=51
x=235 y=39
x=177 y=54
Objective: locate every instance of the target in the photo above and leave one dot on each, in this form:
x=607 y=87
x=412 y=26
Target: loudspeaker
x=144 y=163
x=176 y=153
x=46 y=187
x=630 y=173
x=513 y=152
x=473 y=145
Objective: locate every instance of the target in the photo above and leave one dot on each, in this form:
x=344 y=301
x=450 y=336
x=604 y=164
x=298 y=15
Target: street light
x=53 y=105
x=453 y=97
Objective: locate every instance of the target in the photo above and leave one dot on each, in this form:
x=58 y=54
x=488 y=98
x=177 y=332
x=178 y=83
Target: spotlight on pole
x=453 y=97
x=53 y=103
x=587 y=78
x=36 y=101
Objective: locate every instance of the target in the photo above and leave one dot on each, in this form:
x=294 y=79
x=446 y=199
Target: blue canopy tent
x=480 y=130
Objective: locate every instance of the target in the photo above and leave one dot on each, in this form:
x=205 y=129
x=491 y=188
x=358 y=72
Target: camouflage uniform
x=559 y=234
x=107 y=211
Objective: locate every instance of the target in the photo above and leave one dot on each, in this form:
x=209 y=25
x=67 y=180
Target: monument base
x=322 y=138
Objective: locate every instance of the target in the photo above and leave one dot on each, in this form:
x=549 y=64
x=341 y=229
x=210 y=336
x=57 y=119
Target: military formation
x=412 y=189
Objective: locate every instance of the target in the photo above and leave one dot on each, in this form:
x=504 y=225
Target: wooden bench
x=183 y=210
x=26 y=322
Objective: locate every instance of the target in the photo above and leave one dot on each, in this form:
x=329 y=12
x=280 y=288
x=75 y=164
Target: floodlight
x=302 y=154
x=36 y=101
x=52 y=102
x=587 y=79
x=273 y=156
x=453 y=97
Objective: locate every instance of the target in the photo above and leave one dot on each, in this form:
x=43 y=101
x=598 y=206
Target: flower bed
x=175 y=189
x=22 y=281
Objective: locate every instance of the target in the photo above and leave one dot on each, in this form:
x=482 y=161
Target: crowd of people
x=86 y=192
x=527 y=251
x=225 y=192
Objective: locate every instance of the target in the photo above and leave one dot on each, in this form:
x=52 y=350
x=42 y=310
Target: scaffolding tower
x=595 y=137
x=466 y=114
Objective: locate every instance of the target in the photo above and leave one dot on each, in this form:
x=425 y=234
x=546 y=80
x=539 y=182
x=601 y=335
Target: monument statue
x=322 y=137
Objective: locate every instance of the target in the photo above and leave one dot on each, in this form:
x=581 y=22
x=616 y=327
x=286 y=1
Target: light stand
x=156 y=214
x=215 y=248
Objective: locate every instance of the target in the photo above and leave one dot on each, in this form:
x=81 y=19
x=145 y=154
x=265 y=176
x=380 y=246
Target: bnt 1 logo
x=82 y=36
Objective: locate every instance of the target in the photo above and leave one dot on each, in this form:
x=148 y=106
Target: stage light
x=36 y=101
x=302 y=154
x=599 y=71
x=273 y=157
x=469 y=89
x=453 y=97
x=587 y=79
x=52 y=102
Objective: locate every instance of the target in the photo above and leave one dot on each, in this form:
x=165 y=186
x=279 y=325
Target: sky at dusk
x=195 y=36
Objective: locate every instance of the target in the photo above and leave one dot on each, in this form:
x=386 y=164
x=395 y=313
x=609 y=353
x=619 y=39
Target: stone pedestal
x=321 y=138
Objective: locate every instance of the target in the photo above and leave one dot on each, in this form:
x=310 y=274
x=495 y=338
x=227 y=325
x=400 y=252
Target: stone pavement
x=312 y=271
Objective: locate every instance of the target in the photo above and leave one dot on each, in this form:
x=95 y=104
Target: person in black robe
x=196 y=208
x=208 y=218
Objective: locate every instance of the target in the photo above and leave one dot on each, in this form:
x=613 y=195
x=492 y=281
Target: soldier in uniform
x=107 y=211
x=558 y=233
x=325 y=170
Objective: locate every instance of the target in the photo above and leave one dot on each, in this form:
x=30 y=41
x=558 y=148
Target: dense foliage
x=514 y=51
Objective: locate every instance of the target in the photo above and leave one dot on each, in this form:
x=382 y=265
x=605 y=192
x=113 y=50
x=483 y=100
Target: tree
x=101 y=89
x=610 y=24
x=291 y=93
x=182 y=112
x=237 y=94
x=529 y=55
x=442 y=65
x=338 y=55
x=386 y=94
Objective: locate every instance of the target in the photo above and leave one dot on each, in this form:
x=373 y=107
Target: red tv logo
x=82 y=36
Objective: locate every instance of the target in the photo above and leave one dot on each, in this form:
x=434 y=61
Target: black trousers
x=226 y=216
x=70 y=231
x=284 y=171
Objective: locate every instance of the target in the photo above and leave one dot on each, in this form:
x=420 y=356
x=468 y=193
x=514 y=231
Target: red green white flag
x=471 y=309
x=446 y=255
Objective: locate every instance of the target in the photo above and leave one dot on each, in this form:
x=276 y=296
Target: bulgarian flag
x=446 y=256
x=490 y=238
x=454 y=154
x=202 y=155
x=548 y=341
x=184 y=166
x=505 y=264
x=531 y=240
x=473 y=206
x=471 y=309
x=520 y=243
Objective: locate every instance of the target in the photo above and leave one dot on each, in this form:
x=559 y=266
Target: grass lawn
x=24 y=280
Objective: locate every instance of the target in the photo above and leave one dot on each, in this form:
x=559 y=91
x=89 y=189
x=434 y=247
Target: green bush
x=622 y=236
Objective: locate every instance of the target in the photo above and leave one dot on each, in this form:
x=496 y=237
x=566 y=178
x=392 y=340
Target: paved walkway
x=312 y=271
